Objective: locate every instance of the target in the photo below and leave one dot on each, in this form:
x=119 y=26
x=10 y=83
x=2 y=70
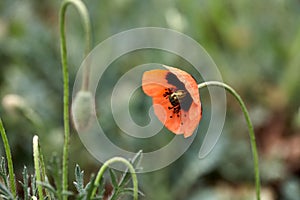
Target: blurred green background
x=255 y=44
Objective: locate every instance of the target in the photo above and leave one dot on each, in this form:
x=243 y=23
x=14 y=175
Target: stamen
x=174 y=96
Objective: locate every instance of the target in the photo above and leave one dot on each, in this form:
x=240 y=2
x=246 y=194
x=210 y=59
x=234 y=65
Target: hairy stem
x=105 y=166
x=12 y=182
x=250 y=128
x=63 y=46
x=37 y=167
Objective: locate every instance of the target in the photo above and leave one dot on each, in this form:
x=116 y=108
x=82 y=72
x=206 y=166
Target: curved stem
x=250 y=128
x=84 y=15
x=87 y=30
x=105 y=166
x=37 y=167
x=9 y=160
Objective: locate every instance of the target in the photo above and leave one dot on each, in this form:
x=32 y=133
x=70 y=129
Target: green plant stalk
x=250 y=128
x=63 y=46
x=9 y=160
x=43 y=172
x=105 y=166
x=37 y=167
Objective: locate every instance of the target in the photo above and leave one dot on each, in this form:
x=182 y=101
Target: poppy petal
x=165 y=115
x=154 y=81
x=188 y=81
x=191 y=121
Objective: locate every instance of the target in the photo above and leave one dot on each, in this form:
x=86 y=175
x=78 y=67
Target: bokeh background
x=255 y=44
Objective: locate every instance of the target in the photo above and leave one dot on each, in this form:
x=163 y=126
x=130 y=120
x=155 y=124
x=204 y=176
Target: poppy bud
x=13 y=102
x=82 y=108
x=16 y=104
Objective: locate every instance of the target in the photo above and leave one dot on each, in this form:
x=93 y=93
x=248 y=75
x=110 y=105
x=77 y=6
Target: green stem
x=9 y=160
x=105 y=166
x=85 y=18
x=43 y=172
x=250 y=128
x=37 y=167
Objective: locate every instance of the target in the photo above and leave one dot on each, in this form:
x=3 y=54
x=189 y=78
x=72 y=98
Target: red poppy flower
x=175 y=98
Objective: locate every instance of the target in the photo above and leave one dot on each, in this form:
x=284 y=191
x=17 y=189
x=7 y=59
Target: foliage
x=52 y=190
x=254 y=43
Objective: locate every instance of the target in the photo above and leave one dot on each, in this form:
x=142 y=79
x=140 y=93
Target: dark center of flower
x=174 y=97
x=179 y=94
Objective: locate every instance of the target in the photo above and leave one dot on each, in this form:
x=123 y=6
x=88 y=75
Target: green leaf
x=54 y=168
x=135 y=161
x=3 y=172
x=50 y=194
x=130 y=191
x=67 y=193
x=33 y=185
x=116 y=194
x=5 y=193
x=80 y=196
x=79 y=180
x=90 y=186
x=97 y=198
x=113 y=178
x=124 y=191
x=3 y=166
x=49 y=187
x=25 y=182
